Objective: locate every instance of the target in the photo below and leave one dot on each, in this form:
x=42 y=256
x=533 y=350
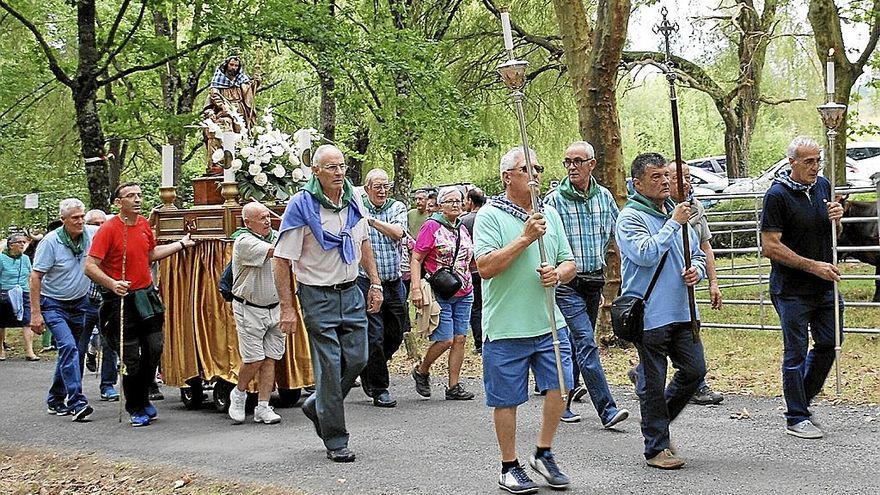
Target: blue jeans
x=575 y=306
x=660 y=403
x=109 y=364
x=336 y=322
x=803 y=373
x=67 y=320
x=385 y=334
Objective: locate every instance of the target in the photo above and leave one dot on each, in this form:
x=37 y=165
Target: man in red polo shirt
x=119 y=261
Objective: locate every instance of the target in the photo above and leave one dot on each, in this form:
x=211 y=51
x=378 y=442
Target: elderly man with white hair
x=257 y=317
x=323 y=240
x=387 y=220
x=61 y=303
x=443 y=244
x=517 y=329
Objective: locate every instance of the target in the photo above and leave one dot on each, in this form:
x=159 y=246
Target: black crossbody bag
x=628 y=312
x=444 y=282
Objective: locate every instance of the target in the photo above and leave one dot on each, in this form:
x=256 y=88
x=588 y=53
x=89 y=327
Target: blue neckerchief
x=222 y=81
x=502 y=203
x=785 y=179
x=304 y=209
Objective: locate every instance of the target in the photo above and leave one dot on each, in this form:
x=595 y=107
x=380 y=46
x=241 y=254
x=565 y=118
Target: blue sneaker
x=517 y=481
x=139 y=419
x=150 y=411
x=546 y=467
x=80 y=415
x=109 y=394
x=570 y=417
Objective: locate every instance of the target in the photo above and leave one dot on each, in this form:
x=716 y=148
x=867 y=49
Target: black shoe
x=156 y=394
x=458 y=393
x=578 y=393
x=383 y=399
x=423 y=382
x=91 y=362
x=308 y=408
x=705 y=396
x=6 y=347
x=340 y=455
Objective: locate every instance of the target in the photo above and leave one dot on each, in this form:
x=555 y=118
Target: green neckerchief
x=641 y=203
x=314 y=187
x=376 y=210
x=569 y=192
x=65 y=239
x=8 y=252
x=244 y=230
x=441 y=218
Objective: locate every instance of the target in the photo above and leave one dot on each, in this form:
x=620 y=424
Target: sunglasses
x=539 y=169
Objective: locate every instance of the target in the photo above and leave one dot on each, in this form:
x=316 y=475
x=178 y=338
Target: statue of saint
x=231 y=92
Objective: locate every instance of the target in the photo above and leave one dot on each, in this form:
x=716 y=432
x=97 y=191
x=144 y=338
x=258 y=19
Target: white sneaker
x=267 y=415
x=237 y=400
x=804 y=429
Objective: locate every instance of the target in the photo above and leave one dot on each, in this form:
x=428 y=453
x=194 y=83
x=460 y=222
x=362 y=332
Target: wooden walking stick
x=666 y=29
x=122 y=368
x=513 y=73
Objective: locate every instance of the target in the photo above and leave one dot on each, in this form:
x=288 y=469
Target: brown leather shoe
x=665 y=460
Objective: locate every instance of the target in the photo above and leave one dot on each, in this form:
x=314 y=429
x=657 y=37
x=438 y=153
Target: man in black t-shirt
x=475 y=200
x=796 y=236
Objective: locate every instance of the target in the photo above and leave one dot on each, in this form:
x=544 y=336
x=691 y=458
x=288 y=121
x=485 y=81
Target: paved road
x=434 y=446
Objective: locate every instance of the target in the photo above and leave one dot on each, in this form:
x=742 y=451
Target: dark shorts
x=8 y=320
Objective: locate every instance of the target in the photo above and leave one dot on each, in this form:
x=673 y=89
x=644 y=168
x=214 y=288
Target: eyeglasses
x=539 y=169
x=17 y=242
x=452 y=202
x=335 y=167
x=381 y=187
x=577 y=162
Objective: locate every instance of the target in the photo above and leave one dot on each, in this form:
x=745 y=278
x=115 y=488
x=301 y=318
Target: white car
x=854 y=177
x=703 y=179
x=867 y=159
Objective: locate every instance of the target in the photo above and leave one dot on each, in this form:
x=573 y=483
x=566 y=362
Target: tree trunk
x=360 y=145
x=402 y=173
x=592 y=67
x=328 y=105
x=85 y=89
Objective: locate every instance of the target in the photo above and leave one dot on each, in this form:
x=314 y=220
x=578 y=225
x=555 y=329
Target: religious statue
x=229 y=105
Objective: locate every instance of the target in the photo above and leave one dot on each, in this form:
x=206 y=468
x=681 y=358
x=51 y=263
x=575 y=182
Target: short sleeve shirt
x=513 y=300
x=802 y=218
x=311 y=263
x=698 y=221
x=138 y=240
x=437 y=243
x=414 y=221
x=64 y=273
x=252 y=278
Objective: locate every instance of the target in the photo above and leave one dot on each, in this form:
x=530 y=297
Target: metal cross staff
x=666 y=29
x=513 y=73
x=831 y=114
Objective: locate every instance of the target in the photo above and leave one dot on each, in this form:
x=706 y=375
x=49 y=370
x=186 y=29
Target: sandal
x=32 y=358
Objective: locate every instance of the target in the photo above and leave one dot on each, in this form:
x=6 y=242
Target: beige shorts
x=259 y=332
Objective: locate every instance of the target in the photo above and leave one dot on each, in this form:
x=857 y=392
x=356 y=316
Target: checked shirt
x=386 y=250
x=589 y=225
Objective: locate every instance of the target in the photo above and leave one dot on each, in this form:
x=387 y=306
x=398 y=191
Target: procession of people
x=476 y=265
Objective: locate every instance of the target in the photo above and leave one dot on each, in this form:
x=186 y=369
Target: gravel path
x=435 y=447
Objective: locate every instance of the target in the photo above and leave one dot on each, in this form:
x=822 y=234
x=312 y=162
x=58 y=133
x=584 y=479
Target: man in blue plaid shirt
x=588 y=212
x=387 y=220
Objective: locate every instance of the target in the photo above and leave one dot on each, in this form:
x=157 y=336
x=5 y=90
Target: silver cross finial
x=666 y=29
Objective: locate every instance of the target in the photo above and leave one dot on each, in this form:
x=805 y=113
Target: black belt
x=337 y=287
x=248 y=303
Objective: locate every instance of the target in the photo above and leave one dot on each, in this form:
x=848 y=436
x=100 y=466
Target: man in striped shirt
x=588 y=212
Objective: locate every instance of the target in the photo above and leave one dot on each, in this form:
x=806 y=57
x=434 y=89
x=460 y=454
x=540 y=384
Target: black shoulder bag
x=444 y=282
x=628 y=312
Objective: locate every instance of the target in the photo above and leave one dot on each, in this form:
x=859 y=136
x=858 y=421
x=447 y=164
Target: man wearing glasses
x=588 y=212
x=323 y=240
x=517 y=330
x=387 y=220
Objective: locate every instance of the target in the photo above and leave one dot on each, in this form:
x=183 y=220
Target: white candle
x=508 y=34
x=303 y=139
x=167 y=165
x=228 y=175
x=229 y=139
x=829 y=73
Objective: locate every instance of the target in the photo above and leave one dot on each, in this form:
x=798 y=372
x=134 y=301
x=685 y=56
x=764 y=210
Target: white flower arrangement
x=266 y=161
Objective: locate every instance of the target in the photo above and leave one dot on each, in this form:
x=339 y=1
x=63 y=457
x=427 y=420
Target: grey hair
x=800 y=142
x=508 y=161
x=445 y=191
x=95 y=214
x=376 y=173
x=591 y=153
x=250 y=210
x=66 y=205
x=324 y=149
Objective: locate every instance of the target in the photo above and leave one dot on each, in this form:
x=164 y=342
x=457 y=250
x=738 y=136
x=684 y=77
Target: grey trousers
x=336 y=322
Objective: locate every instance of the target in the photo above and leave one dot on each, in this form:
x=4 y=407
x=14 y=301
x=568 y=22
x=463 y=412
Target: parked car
x=854 y=177
x=714 y=164
x=700 y=178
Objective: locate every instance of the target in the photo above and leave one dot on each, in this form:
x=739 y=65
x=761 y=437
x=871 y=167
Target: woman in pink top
x=435 y=248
